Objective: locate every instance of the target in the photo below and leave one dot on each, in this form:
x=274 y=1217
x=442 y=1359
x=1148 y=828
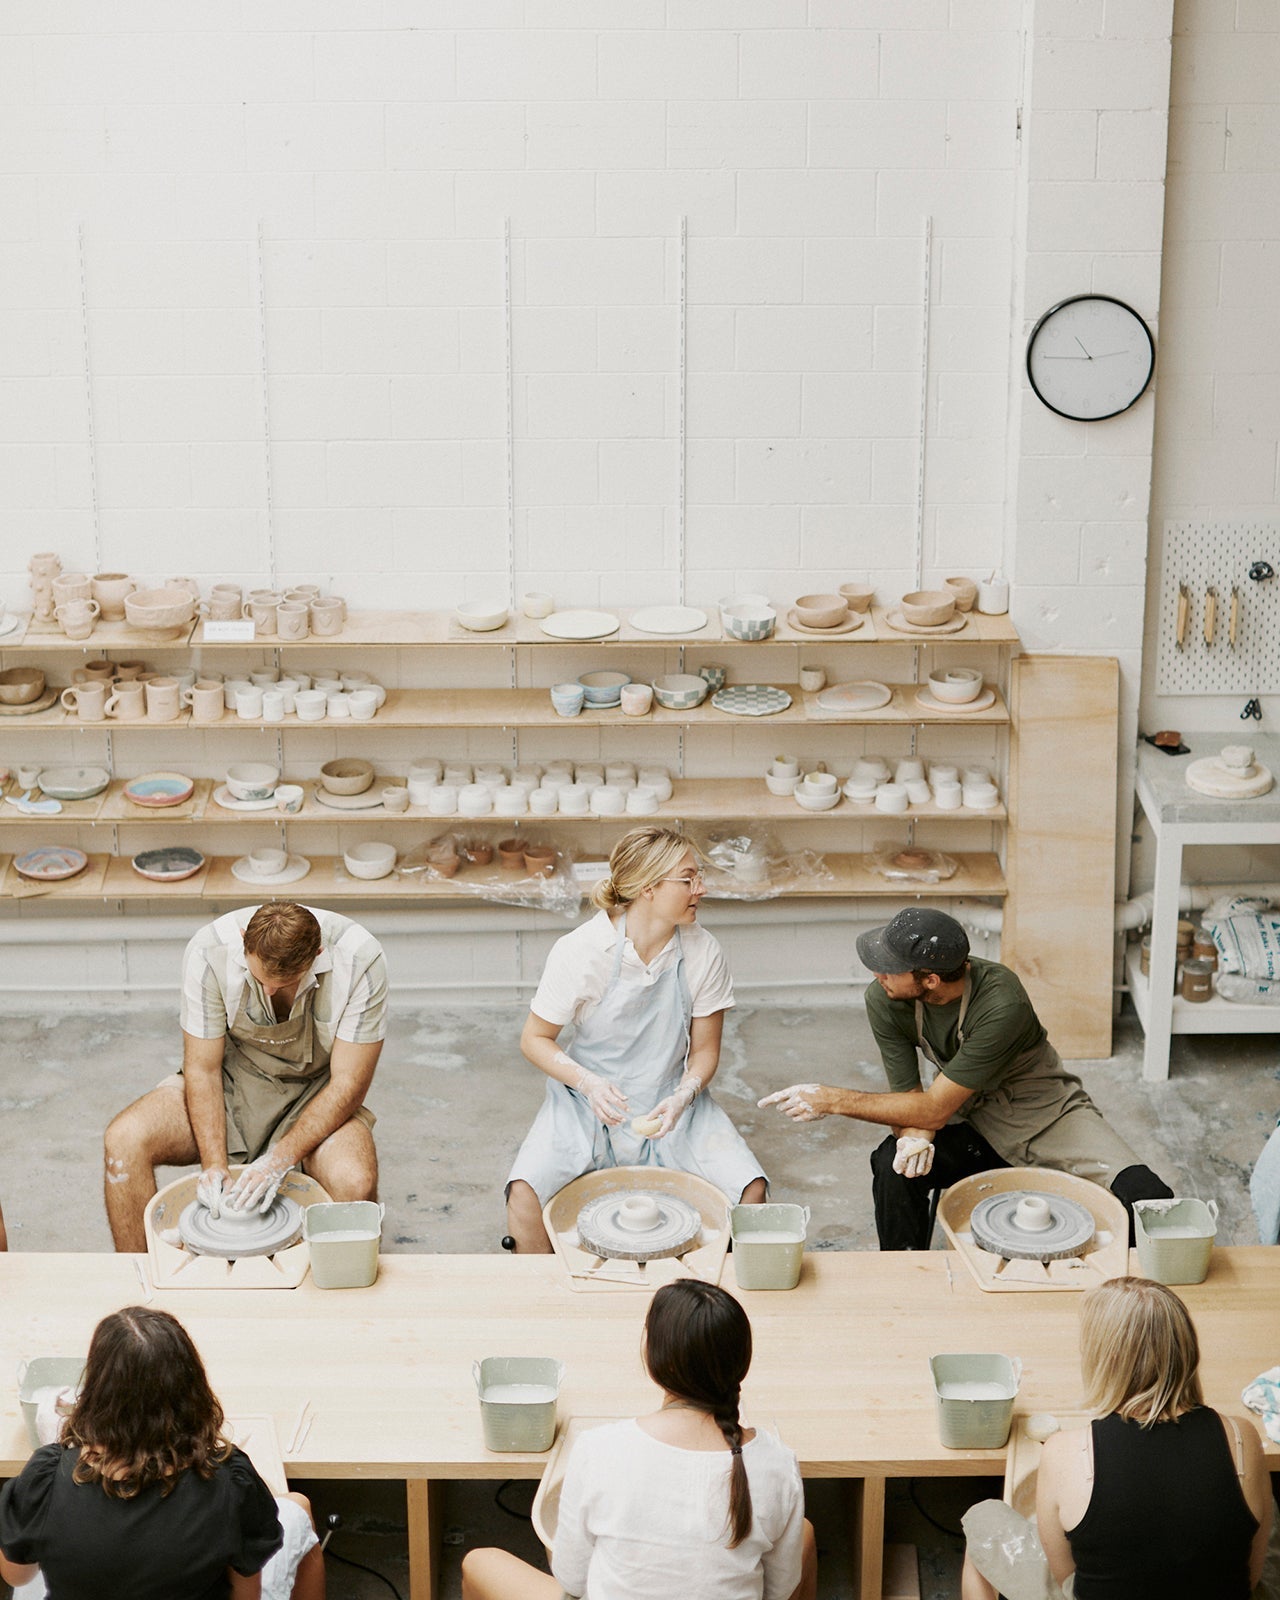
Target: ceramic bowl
x=19 y=686
x=480 y=616
x=370 y=860
x=749 y=622
x=347 y=775
x=607 y=801
x=955 y=685
x=159 y=609
x=817 y=802
x=929 y=608
x=252 y=780
x=602 y=688
x=857 y=596
x=680 y=691
x=474 y=800
x=568 y=699
x=778 y=785
x=753 y=602
x=965 y=591
x=822 y=610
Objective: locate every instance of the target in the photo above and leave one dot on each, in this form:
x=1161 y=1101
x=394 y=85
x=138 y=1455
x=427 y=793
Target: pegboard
x=1220 y=554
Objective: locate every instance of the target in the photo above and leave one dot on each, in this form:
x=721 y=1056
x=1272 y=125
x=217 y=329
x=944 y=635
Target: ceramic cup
x=891 y=797
x=231 y=687
x=443 y=800
x=908 y=770
x=327 y=612
x=812 y=679
x=304 y=593
x=575 y=799
x=395 y=798
x=95 y=672
x=785 y=785
x=536 y=604
x=77 y=617
x=641 y=801
x=128 y=701
x=261 y=607
x=299 y=680
x=289 y=798
x=293 y=619
x=288 y=692
x=714 y=675
x=267 y=863
x=785 y=766
x=568 y=698
x=163 y=703
x=28 y=777
x=185 y=678
x=362 y=704
x=980 y=796
x=72 y=586
x=87 y=700
x=948 y=796
x=544 y=802
x=965 y=591
x=249 y=703
x=205 y=699
x=820 y=783
x=637 y=699
x=272 y=705
x=993 y=596
x=128 y=671
x=943 y=772
x=109 y=590
x=658 y=779
x=608 y=801
x=337 y=705
x=226 y=603
x=265 y=677
x=919 y=792
x=419 y=790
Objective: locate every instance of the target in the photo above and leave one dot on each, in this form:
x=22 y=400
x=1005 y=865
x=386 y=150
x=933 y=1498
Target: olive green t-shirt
x=998 y=1026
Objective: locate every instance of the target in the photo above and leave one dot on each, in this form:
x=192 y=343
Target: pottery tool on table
x=301 y=1427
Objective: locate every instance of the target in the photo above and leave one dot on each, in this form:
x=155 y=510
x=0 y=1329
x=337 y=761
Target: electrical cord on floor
x=520 y=1516
x=333 y=1522
x=951 y=1533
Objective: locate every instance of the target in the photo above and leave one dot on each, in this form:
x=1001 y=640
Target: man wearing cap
x=1000 y=1097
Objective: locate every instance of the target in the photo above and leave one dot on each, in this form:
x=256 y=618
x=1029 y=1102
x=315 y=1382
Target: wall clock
x=1090 y=357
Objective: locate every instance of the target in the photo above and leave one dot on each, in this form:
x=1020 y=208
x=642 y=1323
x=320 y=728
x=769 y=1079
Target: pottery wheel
x=1213 y=776
x=992 y=1224
x=601 y=1231
x=208 y=1235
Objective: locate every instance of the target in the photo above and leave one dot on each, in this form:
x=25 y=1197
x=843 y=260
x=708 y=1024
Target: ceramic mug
x=109 y=590
x=327 y=613
x=190 y=586
x=568 y=698
x=292 y=619
x=309 y=705
x=128 y=701
x=95 y=672
x=249 y=703
x=303 y=592
x=272 y=705
x=443 y=800
x=395 y=797
x=87 y=700
x=77 y=617
x=261 y=606
x=163 y=703
x=362 y=704
x=637 y=699
x=819 y=783
x=226 y=602
x=205 y=699
x=537 y=605
x=337 y=705
x=289 y=798
x=785 y=767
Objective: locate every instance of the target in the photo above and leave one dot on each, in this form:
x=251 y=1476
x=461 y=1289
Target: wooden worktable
x=840 y=1368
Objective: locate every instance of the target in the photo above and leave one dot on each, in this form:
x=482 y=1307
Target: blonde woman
x=1160 y=1498
x=645 y=990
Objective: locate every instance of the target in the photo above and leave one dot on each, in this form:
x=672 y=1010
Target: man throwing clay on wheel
x=283 y=1015
x=999 y=1097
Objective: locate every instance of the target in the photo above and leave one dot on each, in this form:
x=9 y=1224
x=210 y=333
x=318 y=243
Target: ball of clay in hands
x=645 y=1127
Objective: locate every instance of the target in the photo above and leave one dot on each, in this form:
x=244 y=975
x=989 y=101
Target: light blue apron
x=637 y=1038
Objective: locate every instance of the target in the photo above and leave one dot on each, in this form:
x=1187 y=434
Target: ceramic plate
x=854 y=623
x=669 y=619
x=899 y=624
x=11 y=624
x=42 y=704
x=74 y=783
x=579 y=624
x=47 y=863
x=370 y=800
x=983 y=702
x=224 y=797
x=751 y=699
x=159 y=789
x=298 y=867
x=851 y=697
x=169 y=865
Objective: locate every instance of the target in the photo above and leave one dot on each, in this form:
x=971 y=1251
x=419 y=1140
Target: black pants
x=902 y=1204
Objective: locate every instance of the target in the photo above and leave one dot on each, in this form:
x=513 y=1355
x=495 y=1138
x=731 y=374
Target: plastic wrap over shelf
x=753 y=865
x=473 y=864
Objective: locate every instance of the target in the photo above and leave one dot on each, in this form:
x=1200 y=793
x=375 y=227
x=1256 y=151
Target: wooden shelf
x=693 y=800
x=112 y=878
x=365 y=630
x=1214 y=1015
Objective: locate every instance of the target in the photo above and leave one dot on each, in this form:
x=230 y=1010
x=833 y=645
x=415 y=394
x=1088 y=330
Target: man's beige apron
x=1039 y=1114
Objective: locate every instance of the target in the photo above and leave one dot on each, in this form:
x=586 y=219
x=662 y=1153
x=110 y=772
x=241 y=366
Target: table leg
x=1164 y=956
x=423 y=1500
x=866 y=1526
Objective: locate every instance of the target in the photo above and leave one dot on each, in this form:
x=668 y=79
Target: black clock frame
x=1071 y=300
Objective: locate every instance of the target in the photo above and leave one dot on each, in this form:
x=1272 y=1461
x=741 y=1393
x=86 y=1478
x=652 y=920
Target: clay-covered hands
x=606 y=1100
x=914 y=1155
x=209 y=1189
x=255 y=1188
x=670 y=1110
x=802 y=1102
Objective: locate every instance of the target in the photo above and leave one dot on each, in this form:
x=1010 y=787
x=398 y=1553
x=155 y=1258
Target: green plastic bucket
x=518 y=1401
x=45 y=1372
x=343 y=1238
x=1175 y=1238
x=768 y=1245
x=974 y=1395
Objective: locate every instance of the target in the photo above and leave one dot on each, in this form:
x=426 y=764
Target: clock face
x=1090 y=357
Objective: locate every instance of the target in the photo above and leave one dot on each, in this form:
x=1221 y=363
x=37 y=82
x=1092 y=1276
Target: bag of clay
x=1247 y=937
x=740 y=865
x=911 y=863
x=1005 y=1547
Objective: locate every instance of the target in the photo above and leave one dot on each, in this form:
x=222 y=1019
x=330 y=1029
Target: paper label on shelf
x=590 y=871
x=237 y=632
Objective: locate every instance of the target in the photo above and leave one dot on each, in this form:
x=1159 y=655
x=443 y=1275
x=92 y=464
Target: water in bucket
x=518 y=1401
x=44 y=1375
x=974 y=1395
x=343 y=1238
x=1175 y=1238
x=768 y=1245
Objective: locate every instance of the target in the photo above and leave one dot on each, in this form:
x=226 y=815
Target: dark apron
x=1038 y=1115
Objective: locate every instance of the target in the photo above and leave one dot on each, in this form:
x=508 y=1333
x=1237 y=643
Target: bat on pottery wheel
x=1184 y=615
x=1210 y=614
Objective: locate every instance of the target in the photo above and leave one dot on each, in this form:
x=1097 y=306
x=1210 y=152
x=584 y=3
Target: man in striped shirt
x=283 y=1015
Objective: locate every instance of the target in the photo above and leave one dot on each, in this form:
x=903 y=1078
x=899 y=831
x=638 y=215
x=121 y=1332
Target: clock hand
x=1048 y=357
x=1087 y=356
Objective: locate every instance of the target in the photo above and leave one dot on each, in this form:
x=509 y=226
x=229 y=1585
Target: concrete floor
x=454 y=1098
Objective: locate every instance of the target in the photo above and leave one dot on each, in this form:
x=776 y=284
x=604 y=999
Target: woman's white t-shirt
x=644 y=1520
x=579 y=967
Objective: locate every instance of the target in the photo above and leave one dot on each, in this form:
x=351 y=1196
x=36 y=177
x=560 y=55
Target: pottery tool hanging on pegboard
x=1219 y=612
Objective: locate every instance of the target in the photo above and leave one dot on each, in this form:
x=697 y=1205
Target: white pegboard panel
x=1201 y=554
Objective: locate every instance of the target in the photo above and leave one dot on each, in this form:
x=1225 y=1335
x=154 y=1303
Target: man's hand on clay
x=607 y=1101
x=914 y=1155
x=256 y=1187
x=209 y=1189
x=802 y=1102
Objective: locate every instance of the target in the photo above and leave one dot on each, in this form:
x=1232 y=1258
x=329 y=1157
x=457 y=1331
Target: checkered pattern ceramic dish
x=751 y=699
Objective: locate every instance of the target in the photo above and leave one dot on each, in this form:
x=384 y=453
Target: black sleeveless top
x=1167 y=1519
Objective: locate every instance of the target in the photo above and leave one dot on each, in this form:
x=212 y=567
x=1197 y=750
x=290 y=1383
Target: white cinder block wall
x=379 y=151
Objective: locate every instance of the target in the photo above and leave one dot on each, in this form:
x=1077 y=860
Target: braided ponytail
x=698 y=1348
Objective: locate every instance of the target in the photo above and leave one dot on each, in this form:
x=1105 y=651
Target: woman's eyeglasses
x=694 y=880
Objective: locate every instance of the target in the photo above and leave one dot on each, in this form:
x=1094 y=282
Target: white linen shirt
x=349 y=976
x=580 y=964
x=643 y=1520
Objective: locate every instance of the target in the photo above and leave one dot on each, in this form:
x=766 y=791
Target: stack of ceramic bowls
x=604 y=688
x=955 y=686
x=818 y=791
x=254 y=780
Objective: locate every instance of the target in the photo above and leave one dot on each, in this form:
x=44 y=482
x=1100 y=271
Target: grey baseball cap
x=917 y=938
